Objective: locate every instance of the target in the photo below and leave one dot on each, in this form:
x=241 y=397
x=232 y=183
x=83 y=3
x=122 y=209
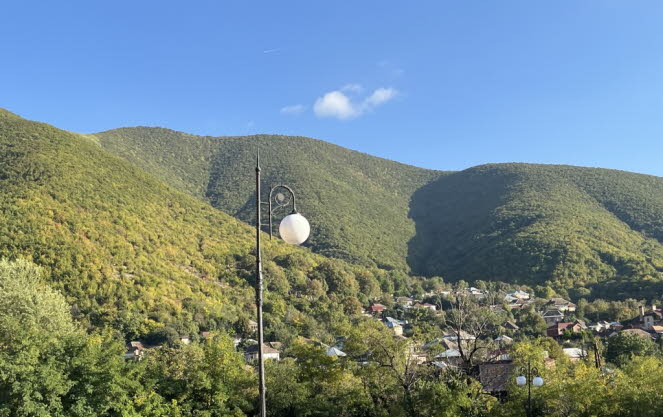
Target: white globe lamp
x=537 y=381
x=521 y=380
x=294 y=229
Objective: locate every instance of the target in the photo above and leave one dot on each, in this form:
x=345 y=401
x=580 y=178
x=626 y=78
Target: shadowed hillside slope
x=357 y=203
x=531 y=223
x=524 y=223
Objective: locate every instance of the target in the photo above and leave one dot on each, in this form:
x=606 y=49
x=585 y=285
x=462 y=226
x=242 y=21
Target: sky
x=437 y=84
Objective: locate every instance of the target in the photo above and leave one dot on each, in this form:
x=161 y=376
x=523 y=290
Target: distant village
x=492 y=343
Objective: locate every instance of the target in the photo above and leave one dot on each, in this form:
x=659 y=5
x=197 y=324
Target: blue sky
x=437 y=84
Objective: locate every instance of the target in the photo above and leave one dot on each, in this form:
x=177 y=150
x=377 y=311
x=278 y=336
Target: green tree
x=624 y=346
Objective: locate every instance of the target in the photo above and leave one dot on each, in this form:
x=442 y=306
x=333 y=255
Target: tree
x=205 y=380
x=623 y=347
x=467 y=318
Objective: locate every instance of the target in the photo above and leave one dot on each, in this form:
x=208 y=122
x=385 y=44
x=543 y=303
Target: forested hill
x=357 y=203
x=131 y=252
x=532 y=223
x=512 y=222
x=566 y=226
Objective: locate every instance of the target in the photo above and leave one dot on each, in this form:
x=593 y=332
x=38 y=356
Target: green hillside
x=357 y=203
x=522 y=223
x=534 y=223
x=131 y=252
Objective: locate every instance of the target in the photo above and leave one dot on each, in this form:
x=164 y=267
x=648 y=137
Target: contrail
x=269 y=51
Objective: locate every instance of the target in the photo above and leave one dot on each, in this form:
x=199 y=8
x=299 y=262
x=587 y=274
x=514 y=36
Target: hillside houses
x=561 y=305
x=552 y=316
x=647 y=319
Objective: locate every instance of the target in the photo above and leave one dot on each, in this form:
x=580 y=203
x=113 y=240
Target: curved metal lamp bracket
x=280 y=197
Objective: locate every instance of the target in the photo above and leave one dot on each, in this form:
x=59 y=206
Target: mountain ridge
x=559 y=196
x=540 y=224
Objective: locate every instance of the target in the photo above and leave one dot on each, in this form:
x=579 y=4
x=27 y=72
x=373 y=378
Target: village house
x=558 y=329
x=496 y=377
x=251 y=353
x=426 y=306
x=575 y=354
x=561 y=305
x=335 y=352
x=451 y=357
x=395 y=325
x=519 y=304
x=510 y=325
x=377 y=309
x=516 y=295
x=552 y=316
x=658 y=330
x=499 y=355
x=405 y=302
x=253 y=326
x=503 y=340
x=647 y=319
x=475 y=292
x=135 y=351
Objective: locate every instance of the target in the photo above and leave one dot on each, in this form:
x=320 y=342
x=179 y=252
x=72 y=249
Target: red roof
x=377 y=307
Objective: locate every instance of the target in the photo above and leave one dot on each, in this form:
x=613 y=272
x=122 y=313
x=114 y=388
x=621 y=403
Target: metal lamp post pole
x=295 y=231
x=529 y=389
x=261 y=360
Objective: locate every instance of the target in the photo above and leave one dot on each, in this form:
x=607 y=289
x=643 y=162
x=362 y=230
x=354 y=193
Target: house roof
x=451 y=353
x=553 y=313
x=495 y=377
x=561 y=326
x=504 y=338
x=657 y=329
x=377 y=307
x=559 y=302
x=451 y=334
x=390 y=321
x=575 y=352
x=510 y=325
x=265 y=349
x=333 y=351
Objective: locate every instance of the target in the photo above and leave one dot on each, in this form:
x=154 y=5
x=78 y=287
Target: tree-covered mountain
x=357 y=203
x=594 y=229
x=131 y=252
x=535 y=223
x=523 y=223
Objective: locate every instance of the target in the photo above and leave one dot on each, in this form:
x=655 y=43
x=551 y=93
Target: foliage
x=129 y=252
x=357 y=204
x=624 y=346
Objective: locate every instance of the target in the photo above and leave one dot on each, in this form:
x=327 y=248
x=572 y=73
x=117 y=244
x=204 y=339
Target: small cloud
x=352 y=88
x=271 y=51
x=379 y=96
x=335 y=104
x=338 y=105
x=293 y=110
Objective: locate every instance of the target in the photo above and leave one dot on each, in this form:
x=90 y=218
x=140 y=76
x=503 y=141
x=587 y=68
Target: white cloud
x=293 y=110
x=352 y=88
x=379 y=96
x=335 y=104
x=338 y=105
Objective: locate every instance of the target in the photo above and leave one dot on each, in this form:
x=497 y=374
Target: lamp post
x=529 y=376
x=294 y=229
